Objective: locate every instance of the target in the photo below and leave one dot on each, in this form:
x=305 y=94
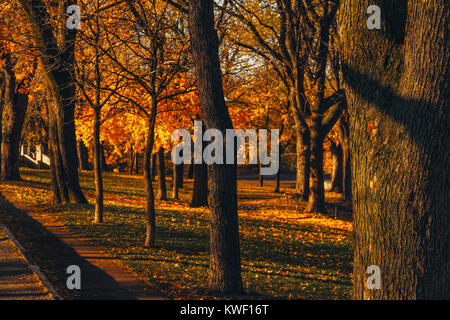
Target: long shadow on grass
x=53 y=257
x=188 y=234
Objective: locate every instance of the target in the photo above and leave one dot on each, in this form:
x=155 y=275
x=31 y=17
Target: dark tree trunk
x=1 y=112
x=190 y=174
x=83 y=155
x=59 y=187
x=200 y=187
x=136 y=163
x=15 y=107
x=303 y=164
x=316 y=200
x=132 y=161
x=261 y=177
x=162 y=176
x=396 y=82
x=98 y=168
x=180 y=176
x=104 y=166
x=277 y=182
x=150 y=237
x=154 y=166
x=174 y=181
x=225 y=262
x=337 y=170
x=177 y=181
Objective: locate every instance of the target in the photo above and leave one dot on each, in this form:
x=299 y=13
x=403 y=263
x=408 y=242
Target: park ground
x=285 y=254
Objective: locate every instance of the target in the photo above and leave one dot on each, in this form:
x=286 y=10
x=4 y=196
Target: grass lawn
x=285 y=255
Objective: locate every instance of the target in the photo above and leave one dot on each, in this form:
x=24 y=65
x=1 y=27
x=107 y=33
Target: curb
x=32 y=264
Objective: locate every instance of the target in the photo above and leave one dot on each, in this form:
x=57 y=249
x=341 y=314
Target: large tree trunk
x=63 y=129
x=225 y=262
x=162 y=175
x=15 y=107
x=398 y=100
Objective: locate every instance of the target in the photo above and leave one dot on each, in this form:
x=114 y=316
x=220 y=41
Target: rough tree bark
x=396 y=82
x=225 y=262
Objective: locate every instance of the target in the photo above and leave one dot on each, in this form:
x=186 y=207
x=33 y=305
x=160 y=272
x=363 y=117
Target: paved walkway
x=17 y=280
x=101 y=276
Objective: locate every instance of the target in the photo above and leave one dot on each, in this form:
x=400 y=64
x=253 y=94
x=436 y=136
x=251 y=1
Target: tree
x=150 y=49
x=14 y=106
x=225 y=262
x=396 y=82
x=293 y=37
x=57 y=56
x=92 y=40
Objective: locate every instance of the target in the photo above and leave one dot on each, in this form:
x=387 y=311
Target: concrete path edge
x=32 y=264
